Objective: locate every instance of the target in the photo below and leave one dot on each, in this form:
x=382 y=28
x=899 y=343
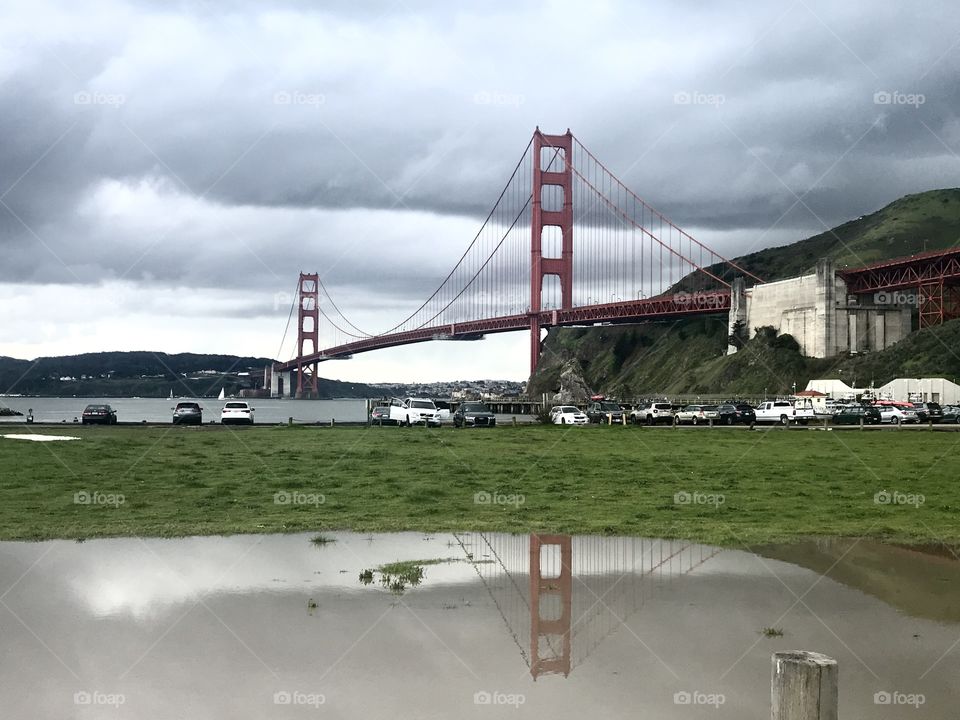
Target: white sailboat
x=222 y=395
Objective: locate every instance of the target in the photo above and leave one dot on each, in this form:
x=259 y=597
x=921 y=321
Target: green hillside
x=912 y=224
x=688 y=356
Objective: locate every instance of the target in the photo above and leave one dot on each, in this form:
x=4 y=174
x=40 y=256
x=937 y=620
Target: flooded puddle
x=466 y=625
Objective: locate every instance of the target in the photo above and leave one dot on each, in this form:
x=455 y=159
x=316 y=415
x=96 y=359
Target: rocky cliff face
x=572 y=387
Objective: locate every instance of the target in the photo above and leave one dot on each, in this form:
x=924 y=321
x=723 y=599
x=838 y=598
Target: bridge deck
x=662 y=307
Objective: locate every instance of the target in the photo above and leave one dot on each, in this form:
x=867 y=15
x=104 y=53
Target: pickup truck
x=414 y=411
x=785 y=411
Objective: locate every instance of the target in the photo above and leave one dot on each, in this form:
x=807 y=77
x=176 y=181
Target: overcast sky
x=167 y=169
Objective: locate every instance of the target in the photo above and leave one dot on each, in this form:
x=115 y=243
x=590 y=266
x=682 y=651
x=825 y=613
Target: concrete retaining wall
x=817 y=311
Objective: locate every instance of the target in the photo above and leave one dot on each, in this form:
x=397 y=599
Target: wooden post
x=803 y=686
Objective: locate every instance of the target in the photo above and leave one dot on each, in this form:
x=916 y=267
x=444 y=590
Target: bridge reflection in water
x=561 y=596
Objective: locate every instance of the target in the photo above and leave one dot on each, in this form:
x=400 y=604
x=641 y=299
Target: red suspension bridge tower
x=308 y=331
x=558 y=173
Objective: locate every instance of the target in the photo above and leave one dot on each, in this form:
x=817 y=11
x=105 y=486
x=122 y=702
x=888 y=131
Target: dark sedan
x=99 y=415
x=728 y=415
x=951 y=414
x=188 y=413
x=853 y=415
x=598 y=411
x=745 y=413
x=928 y=412
x=474 y=414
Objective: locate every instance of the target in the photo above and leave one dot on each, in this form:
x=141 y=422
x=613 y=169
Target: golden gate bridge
x=567 y=243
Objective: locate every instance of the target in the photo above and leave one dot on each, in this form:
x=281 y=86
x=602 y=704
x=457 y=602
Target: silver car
x=698 y=414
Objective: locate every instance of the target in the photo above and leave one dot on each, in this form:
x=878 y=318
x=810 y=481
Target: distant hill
x=688 y=356
x=149 y=374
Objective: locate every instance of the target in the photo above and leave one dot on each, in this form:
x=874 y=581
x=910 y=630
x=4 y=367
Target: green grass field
x=730 y=487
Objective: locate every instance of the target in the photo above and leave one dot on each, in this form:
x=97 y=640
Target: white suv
x=652 y=414
x=413 y=411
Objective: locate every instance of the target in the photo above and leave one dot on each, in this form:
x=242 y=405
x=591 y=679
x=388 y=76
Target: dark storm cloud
x=721 y=115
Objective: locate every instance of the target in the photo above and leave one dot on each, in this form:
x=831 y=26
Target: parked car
x=415 y=411
x=188 y=413
x=474 y=414
x=929 y=411
x=852 y=414
x=745 y=413
x=951 y=414
x=568 y=415
x=380 y=415
x=443 y=410
x=697 y=414
x=897 y=414
x=786 y=411
x=728 y=415
x=598 y=411
x=653 y=414
x=236 y=413
x=99 y=415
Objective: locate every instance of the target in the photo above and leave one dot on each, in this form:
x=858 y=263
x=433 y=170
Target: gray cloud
x=176 y=144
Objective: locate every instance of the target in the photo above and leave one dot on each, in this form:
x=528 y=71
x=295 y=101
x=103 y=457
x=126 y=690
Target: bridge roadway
x=661 y=307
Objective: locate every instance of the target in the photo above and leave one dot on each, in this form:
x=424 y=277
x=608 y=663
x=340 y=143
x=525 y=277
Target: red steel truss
x=904 y=273
x=933 y=275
